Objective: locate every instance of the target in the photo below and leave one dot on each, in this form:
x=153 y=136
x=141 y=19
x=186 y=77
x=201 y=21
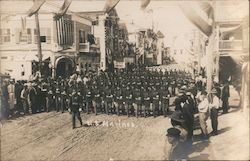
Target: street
x=49 y=136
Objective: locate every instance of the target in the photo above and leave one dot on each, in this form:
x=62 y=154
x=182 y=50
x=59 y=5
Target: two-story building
x=62 y=41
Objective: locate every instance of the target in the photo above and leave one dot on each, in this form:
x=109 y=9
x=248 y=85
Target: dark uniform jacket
x=75 y=103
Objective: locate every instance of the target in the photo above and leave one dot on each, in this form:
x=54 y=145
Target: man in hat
x=74 y=107
x=214 y=104
x=178 y=150
x=188 y=115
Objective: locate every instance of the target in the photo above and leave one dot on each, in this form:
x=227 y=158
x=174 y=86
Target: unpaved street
x=50 y=136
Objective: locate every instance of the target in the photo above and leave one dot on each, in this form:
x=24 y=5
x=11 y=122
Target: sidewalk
x=232 y=141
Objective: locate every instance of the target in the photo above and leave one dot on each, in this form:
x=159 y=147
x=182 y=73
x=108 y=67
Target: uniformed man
x=96 y=99
x=109 y=98
x=164 y=98
x=146 y=101
x=74 y=108
x=129 y=97
x=156 y=99
x=89 y=97
x=138 y=101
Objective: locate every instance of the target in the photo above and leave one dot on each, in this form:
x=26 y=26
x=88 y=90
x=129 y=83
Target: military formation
x=138 y=92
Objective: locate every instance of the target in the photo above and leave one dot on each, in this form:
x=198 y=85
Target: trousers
x=74 y=115
x=214 y=119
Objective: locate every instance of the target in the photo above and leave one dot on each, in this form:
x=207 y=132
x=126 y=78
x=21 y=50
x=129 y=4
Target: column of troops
x=138 y=93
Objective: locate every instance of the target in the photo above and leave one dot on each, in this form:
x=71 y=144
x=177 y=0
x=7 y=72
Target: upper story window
x=4 y=36
x=23 y=36
x=45 y=34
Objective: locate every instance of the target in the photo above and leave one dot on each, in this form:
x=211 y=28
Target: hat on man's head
x=173 y=132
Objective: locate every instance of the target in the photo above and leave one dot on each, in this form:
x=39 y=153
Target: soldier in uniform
x=128 y=102
x=96 y=99
x=58 y=99
x=109 y=98
x=138 y=101
x=74 y=108
x=89 y=97
x=164 y=100
x=146 y=101
x=118 y=100
x=156 y=100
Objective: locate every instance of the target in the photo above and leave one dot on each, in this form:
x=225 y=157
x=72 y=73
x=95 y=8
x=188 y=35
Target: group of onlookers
x=184 y=121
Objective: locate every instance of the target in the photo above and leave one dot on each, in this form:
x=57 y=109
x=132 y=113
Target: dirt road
x=50 y=136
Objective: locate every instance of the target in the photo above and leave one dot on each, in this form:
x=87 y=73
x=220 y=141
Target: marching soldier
x=96 y=99
x=74 y=108
x=165 y=100
x=138 y=101
x=88 y=99
x=156 y=100
x=129 y=97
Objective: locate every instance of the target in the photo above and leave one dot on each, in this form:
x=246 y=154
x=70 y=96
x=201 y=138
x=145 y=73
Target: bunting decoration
x=110 y=4
x=63 y=9
x=144 y=4
x=36 y=7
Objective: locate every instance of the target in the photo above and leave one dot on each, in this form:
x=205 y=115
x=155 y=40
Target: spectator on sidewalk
x=24 y=97
x=224 y=97
x=203 y=113
x=12 y=98
x=178 y=150
x=214 y=104
x=4 y=101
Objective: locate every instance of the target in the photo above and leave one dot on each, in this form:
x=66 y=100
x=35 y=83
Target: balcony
x=87 y=48
x=84 y=47
x=230 y=45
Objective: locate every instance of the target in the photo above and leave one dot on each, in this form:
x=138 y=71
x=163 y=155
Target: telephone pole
x=39 y=48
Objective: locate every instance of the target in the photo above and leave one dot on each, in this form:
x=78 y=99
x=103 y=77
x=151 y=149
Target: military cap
x=173 y=132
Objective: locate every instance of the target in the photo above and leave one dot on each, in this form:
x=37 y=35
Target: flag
x=204 y=25
x=23 y=20
x=144 y=4
x=36 y=6
x=110 y=4
x=63 y=9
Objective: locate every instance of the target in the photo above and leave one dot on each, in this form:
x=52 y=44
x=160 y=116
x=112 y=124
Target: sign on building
x=119 y=65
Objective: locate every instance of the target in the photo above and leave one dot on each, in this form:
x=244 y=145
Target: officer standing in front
x=74 y=108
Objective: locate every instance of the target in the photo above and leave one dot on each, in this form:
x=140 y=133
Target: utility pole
x=39 y=48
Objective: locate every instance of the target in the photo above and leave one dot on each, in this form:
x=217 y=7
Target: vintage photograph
x=124 y=80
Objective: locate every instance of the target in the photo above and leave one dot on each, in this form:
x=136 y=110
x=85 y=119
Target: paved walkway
x=232 y=142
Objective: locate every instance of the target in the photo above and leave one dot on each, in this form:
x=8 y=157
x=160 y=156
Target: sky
x=164 y=16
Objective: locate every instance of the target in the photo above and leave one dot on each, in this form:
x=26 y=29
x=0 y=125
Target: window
x=82 y=36
x=45 y=33
x=4 y=36
x=23 y=36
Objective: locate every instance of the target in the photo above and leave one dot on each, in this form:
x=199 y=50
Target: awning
x=230 y=28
